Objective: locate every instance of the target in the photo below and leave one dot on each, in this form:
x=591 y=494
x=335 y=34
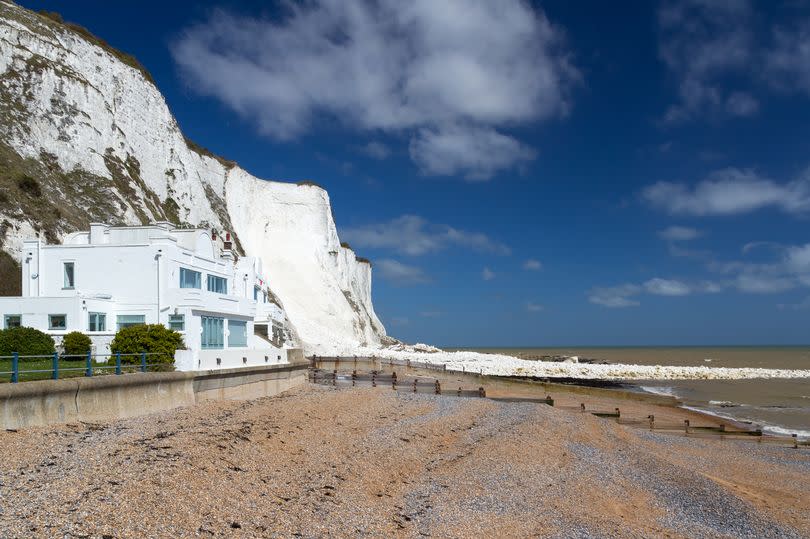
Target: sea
x=778 y=406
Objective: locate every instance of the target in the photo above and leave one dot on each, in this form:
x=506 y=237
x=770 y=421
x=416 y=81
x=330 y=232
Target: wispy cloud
x=679 y=233
x=449 y=75
x=487 y=274
x=700 y=42
x=376 y=150
x=532 y=265
x=399 y=273
x=720 y=53
x=730 y=191
x=626 y=295
x=533 y=307
x=414 y=235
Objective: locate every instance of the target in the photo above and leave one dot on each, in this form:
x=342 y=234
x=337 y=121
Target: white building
x=111 y=277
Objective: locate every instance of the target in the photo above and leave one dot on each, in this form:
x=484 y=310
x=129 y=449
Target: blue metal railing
x=66 y=365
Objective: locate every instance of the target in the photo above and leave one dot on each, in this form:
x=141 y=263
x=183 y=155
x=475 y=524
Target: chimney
x=227 y=247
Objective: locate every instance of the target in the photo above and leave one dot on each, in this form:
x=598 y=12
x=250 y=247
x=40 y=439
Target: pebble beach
x=368 y=462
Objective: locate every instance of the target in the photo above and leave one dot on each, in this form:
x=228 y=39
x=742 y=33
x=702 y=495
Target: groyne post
x=686 y=425
x=652 y=421
x=795 y=440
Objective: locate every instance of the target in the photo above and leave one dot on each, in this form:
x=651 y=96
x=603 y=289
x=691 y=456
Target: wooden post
x=618 y=414
x=582 y=406
x=354 y=377
x=394 y=380
x=414 y=384
x=459 y=392
x=652 y=421
x=481 y=392
x=334 y=377
x=438 y=388
x=795 y=441
x=686 y=425
x=373 y=378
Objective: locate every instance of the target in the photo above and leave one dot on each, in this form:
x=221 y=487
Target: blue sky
x=550 y=173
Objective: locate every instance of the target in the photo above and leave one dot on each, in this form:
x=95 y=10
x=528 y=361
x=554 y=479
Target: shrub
x=26 y=342
x=150 y=338
x=76 y=344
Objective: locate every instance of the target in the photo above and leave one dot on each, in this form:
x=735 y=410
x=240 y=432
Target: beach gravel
x=324 y=462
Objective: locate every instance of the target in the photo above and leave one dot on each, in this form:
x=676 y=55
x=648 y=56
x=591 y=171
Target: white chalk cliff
x=86 y=136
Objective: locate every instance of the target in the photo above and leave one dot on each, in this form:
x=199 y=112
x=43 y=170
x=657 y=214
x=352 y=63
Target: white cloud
x=414 y=235
x=429 y=69
x=788 y=61
x=431 y=314
x=763 y=284
x=625 y=295
x=487 y=274
x=615 y=296
x=730 y=191
x=400 y=273
x=477 y=153
x=376 y=150
x=700 y=42
x=533 y=307
x=532 y=265
x=679 y=233
x=666 y=287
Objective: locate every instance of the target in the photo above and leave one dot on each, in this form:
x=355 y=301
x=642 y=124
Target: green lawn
x=67 y=369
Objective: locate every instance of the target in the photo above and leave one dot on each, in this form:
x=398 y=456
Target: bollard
x=652 y=421
x=88 y=367
x=55 y=366
x=118 y=363
x=143 y=361
x=15 y=367
x=686 y=425
x=481 y=392
x=795 y=441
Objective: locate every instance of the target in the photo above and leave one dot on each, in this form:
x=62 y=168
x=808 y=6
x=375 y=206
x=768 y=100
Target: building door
x=213 y=332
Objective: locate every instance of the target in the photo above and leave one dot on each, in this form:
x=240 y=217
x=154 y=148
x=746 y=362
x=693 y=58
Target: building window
x=57 y=321
x=190 y=279
x=213 y=332
x=96 y=322
x=217 y=284
x=129 y=320
x=237 y=333
x=69 y=275
x=256 y=292
x=12 y=321
x=177 y=322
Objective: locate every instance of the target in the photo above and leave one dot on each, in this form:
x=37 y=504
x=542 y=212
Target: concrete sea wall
x=46 y=402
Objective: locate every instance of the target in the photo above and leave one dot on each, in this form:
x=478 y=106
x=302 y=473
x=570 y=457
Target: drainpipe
x=39 y=261
x=157 y=259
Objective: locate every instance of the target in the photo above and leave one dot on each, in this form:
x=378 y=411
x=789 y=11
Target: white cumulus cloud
x=730 y=191
x=399 y=273
x=449 y=74
x=414 y=235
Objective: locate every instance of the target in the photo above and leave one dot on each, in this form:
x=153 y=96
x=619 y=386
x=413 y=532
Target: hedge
x=26 y=342
x=76 y=344
x=150 y=338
